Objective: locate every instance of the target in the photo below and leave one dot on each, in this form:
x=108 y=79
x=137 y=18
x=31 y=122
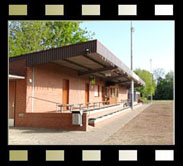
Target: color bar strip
x=18 y=155
x=54 y=10
x=90 y=10
x=15 y=10
x=164 y=155
x=127 y=155
x=163 y=10
x=91 y=155
x=54 y=155
x=127 y=10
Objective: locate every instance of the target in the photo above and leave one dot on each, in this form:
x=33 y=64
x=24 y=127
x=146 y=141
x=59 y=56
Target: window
x=112 y=92
x=96 y=90
x=107 y=92
x=117 y=90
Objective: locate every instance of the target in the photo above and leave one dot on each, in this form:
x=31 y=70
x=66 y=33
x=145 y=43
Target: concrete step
x=103 y=111
x=93 y=121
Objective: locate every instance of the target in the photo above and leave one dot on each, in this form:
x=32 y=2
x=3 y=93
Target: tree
x=29 y=36
x=164 y=90
x=169 y=78
x=158 y=73
x=150 y=85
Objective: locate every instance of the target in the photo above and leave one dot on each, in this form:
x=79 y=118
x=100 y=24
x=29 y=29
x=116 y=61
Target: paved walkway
x=95 y=136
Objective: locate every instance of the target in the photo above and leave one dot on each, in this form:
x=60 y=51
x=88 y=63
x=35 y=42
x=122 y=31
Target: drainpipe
x=32 y=108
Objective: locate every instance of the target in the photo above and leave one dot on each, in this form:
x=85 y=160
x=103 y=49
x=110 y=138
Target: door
x=65 y=93
x=11 y=117
x=113 y=95
x=86 y=93
x=103 y=93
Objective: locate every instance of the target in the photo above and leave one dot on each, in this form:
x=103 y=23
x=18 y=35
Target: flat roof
x=88 y=58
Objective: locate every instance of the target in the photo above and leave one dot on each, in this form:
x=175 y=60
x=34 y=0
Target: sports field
x=154 y=126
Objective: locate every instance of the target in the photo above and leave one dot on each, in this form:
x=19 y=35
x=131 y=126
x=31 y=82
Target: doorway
x=86 y=93
x=103 y=93
x=65 y=93
x=11 y=121
x=113 y=97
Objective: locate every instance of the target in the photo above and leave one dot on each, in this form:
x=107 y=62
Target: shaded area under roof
x=88 y=58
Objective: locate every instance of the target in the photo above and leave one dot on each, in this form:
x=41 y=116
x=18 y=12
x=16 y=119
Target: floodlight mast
x=132 y=82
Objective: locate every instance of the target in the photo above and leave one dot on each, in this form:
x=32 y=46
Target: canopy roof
x=88 y=58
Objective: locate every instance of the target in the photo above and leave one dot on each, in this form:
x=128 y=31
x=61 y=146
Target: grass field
x=154 y=126
x=161 y=101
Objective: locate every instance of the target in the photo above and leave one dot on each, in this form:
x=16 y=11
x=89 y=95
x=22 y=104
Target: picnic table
x=100 y=102
x=65 y=105
x=79 y=106
x=94 y=104
x=105 y=102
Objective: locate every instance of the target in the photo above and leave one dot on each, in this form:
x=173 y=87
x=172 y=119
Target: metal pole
x=151 y=78
x=132 y=82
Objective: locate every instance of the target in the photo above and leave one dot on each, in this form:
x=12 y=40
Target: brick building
x=80 y=76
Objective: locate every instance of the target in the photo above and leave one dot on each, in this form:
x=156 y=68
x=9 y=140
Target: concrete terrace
x=94 y=136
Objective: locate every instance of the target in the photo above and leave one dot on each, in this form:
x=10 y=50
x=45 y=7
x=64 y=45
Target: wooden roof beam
x=97 y=70
x=88 y=57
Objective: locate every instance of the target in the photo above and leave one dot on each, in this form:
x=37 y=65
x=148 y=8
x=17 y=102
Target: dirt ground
x=154 y=126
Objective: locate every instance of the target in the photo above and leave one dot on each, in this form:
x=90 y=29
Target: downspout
x=32 y=110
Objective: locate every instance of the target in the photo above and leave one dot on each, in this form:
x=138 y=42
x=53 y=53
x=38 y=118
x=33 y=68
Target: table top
x=62 y=105
x=80 y=104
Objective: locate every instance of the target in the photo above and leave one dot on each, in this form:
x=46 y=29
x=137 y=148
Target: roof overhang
x=88 y=58
x=15 y=77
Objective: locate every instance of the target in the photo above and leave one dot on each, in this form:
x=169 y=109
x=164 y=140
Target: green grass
x=160 y=101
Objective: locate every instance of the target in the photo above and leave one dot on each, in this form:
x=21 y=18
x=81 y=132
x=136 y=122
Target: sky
x=151 y=40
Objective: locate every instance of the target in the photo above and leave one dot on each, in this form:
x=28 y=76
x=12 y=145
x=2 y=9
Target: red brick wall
x=20 y=101
x=123 y=93
x=11 y=99
x=51 y=120
x=93 y=98
x=18 y=67
x=48 y=84
x=40 y=120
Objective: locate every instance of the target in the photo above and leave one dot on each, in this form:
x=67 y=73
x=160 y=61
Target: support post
x=132 y=82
